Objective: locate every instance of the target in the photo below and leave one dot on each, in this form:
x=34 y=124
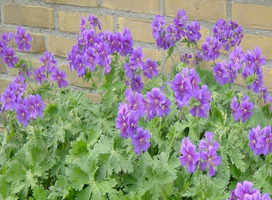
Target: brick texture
x=88 y=3
x=28 y=15
x=38 y=44
x=140 y=29
x=208 y=10
x=3 y=69
x=252 y=16
x=141 y=6
x=3 y=85
x=70 y=22
x=251 y=41
x=59 y=45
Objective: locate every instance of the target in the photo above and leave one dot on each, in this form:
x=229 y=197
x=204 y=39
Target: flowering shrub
x=141 y=141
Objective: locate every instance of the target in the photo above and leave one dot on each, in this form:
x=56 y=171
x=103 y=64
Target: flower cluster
x=250 y=65
x=224 y=36
x=94 y=49
x=228 y=35
x=167 y=36
x=241 y=110
x=207 y=156
x=49 y=67
x=136 y=107
x=186 y=89
x=253 y=62
x=136 y=66
x=26 y=108
x=244 y=191
x=260 y=141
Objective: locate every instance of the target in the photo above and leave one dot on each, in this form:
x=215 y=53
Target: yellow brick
x=38 y=45
x=3 y=69
x=70 y=22
x=207 y=10
x=152 y=54
x=3 y=85
x=28 y=15
x=59 y=45
x=251 y=41
x=141 y=6
x=89 y=3
x=140 y=29
x=252 y=16
x=174 y=59
x=94 y=98
x=204 y=33
x=267 y=78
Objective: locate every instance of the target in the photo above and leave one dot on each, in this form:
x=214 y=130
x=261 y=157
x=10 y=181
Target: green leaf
x=40 y=193
x=77 y=177
x=84 y=194
x=15 y=173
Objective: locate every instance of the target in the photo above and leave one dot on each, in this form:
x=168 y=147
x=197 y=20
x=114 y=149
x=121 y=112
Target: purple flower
x=106 y=66
x=7 y=38
x=129 y=69
x=172 y=35
x=8 y=99
x=9 y=57
x=209 y=143
x=136 y=58
x=210 y=159
x=246 y=108
x=88 y=38
x=127 y=43
x=39 y=105
x=220 y=73
x=82 y=24
x=157 y=102
x=185 y=58
x=91 y=58
x=198 y=59
x=94 y=21
x=192 y=31
x=140 y=140
x=59 y=77
x=189 y=157
x=132 y=124
x=23 y=115
x=79 y=66
x=180 y=21
x=237 y=57
x=204 y=98
x=235 y=106
x=39 y=75
x=181 y=87
x=136 y=102
x=22 y=39
x=241 y=110
x=31 y=104
x=48 y=61
x=150 y=69
x=244 y=191
x=157 y=26
x=136 y=83
x=123 y=119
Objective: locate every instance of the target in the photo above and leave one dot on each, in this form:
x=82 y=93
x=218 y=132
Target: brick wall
x=53 y=24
